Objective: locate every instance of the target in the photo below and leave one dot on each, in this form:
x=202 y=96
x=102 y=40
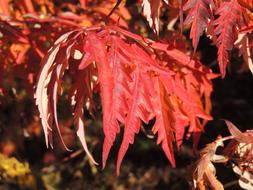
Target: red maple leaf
x=226 y=30
x=138 y=79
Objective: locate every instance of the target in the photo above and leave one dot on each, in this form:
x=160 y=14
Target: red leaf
x=105 y=76
x=226 y=31
x=140 y=107
x=121 y=90
x=165 y=120
x=199 y=15
x=136 y=85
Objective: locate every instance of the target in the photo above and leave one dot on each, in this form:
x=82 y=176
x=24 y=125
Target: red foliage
x=139 y=80
x=27 y=33
x=233 y=15
x=199 y=15
x=230 y=13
